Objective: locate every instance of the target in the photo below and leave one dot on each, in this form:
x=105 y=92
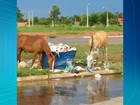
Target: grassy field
x=72 y=30
x=115 y=57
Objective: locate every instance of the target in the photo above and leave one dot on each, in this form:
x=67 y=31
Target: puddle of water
x=84 y=90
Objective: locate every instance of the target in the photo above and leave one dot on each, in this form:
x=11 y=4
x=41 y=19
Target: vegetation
x=27 y=72
x=71 y=30
x=95 y=18
x=54 y=13
x=19 y=16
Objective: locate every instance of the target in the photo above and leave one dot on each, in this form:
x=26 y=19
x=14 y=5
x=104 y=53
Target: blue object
x=60 y=61
x=90 y=69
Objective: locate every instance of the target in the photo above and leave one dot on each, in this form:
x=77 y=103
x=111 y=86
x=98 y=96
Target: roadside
x=78 y=35
x=67 y=75
x=113 y=101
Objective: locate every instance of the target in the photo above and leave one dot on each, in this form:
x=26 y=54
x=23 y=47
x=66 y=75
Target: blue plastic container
x=60 y=61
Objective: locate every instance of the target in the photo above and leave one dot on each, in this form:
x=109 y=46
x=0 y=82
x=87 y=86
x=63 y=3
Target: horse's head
x=89 y=60
x=51 y=61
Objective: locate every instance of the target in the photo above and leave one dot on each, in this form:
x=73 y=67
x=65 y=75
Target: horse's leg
x=40 y=60
x=19 y=53
x=105 y=57
x=34 y=58
x=106 y=50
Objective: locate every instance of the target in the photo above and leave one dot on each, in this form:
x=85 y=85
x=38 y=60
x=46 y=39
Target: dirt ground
x=81 y=34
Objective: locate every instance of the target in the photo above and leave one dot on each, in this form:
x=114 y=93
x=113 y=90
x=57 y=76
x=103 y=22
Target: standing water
x=76 y=91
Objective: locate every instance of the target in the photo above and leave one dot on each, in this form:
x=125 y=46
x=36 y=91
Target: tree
x=36 y=20
x=19 y=16
x=103 y=17
x=83 y=20
x=94 y=19
x=54 y=13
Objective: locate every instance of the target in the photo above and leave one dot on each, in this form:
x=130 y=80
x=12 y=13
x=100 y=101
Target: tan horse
x=37 y=45
x=98 y=44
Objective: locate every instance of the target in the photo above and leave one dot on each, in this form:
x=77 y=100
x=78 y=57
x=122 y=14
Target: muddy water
x=76 y=91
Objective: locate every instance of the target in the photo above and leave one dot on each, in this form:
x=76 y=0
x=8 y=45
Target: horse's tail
x=91 y=42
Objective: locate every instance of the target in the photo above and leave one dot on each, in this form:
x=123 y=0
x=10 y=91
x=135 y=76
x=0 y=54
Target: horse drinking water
x=35 y=44
x=98 y=44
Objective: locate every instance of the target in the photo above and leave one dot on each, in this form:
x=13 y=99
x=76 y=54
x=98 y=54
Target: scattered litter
x=90 y=69
x=105 y=65
x=79 y=68
x=97 y=68
x=106 y=69
x=97 y=75
x=30 y=61
x=83 y=76
x=69 y=66
x=40 y=69
x=31 y=68
x=22 y=64
x=57 y=70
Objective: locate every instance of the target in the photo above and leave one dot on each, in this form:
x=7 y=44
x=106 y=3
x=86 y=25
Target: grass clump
x=26 y=72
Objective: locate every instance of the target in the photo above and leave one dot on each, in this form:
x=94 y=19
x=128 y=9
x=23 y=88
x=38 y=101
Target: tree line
x=55 y=18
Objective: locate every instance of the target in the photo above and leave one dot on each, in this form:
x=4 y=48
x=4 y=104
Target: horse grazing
x=98 y=44
x=37 y=45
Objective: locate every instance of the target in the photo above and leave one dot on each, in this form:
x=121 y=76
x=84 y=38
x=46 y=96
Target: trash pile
x=22 y=64
x=60 y=47
x=26 y=64
x=65 y=59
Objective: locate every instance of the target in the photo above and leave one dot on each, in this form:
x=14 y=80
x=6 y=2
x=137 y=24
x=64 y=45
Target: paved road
x=112 y=40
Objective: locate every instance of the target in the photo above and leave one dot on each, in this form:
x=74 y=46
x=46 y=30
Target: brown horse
x=37 y=45
x=98 y=44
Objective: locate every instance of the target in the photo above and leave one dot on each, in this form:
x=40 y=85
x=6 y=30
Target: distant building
x=77 y=23
x=120 y=22
x=22 y=24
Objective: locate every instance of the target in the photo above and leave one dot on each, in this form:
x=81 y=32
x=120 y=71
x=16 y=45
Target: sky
x=41 y=8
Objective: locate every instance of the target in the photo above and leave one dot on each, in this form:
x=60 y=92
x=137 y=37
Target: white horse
x=98 y=44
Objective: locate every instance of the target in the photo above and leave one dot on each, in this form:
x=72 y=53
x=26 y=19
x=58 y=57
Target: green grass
x=115 y=52
x=116 y=66
x=68 y=29
x=26 y=72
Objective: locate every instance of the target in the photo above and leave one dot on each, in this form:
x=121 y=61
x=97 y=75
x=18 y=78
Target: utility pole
x=87 y=14
x=107 y=20
x=30 y=18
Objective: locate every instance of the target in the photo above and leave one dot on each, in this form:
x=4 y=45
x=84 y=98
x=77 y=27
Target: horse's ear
x=86 y=53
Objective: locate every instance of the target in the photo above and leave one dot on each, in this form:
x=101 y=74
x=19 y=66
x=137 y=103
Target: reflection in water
x=69 y=91
x=98 y=90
